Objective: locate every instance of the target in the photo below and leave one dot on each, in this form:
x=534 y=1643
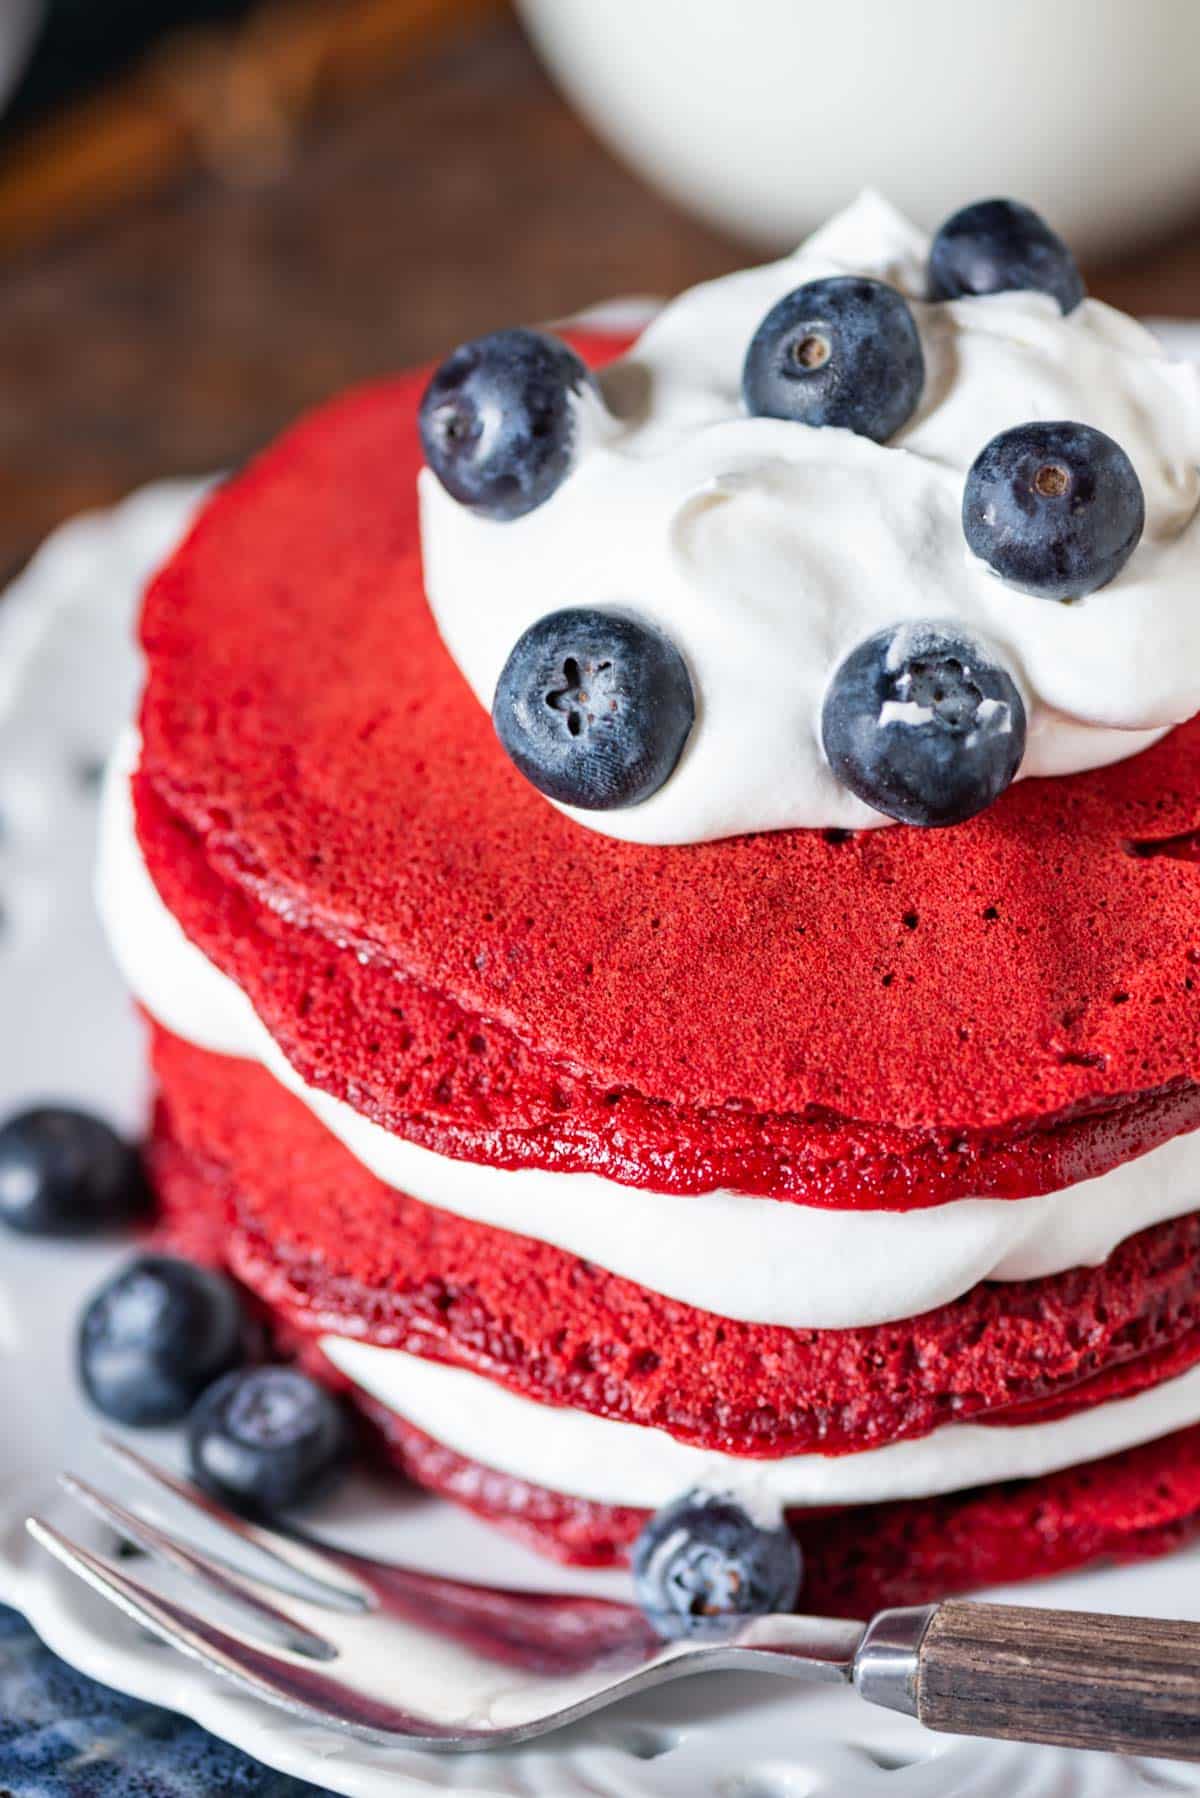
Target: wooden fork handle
x=1130 y=1685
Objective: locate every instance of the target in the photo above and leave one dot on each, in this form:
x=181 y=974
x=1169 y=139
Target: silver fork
x=400 y=1656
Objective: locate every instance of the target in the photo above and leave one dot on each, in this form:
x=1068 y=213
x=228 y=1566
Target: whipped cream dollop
x=767 y=550
x=738 y=1255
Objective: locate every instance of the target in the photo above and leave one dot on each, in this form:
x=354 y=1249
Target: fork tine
x=295 y=1681
x=270 y=1671
x=231 y=1582
x=322 y=1567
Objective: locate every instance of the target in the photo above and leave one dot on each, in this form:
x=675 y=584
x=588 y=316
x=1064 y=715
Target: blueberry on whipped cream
x=594 y=708
x=844 y=351
x=921 y=723
x=1000 y=246
x=1055 y=508
x=711 y=1559
x=497 y=423
x=765 y=552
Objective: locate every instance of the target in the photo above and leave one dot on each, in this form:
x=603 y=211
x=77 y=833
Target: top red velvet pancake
x=309 y=739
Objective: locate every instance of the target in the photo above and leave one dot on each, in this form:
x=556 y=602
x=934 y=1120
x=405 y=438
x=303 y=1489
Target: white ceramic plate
x=67 y=680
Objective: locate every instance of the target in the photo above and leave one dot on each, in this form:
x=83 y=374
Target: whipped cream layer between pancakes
x=757 y=1259
x=596 y=1458
x=767 y=550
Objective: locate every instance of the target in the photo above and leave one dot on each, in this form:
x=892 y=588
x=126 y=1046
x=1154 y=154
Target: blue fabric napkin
x=64 y=1736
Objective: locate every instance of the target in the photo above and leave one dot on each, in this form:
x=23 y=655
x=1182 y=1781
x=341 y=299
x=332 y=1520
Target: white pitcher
x=765 y=115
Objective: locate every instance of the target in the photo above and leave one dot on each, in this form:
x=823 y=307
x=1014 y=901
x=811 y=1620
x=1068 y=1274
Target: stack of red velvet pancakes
x=849 y=1165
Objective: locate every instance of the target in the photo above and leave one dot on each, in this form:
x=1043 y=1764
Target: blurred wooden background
x=257 y=215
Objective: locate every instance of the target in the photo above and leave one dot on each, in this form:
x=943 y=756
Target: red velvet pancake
x=1142 y=1502
x=325 y=1246
x=421 y=1066
x=896 y=1018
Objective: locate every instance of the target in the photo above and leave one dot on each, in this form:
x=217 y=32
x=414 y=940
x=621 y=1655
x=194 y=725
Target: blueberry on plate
x=999 y=246
x=923 y=725
x=706 y=1561
x=1055 y=508
x=66 y=1173
x=155 y=1336
x=266 y=1439
x=841 y=351
x=497 y=421
x=594 y=708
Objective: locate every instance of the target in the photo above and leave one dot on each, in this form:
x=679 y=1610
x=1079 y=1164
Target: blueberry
x=66 y=1173
x=266 y=1439
x=998 y=246
x=1055 y=508
x=923 y=725
x=497 y=421
x=842 y=351
x=594 y=708
x=703 y=1562
x=155 y=1336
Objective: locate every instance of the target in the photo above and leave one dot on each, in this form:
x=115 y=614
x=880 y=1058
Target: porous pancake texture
x=328 y=1248
x=420 y=1065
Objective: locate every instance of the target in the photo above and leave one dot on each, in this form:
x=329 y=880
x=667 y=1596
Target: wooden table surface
x=178 y=333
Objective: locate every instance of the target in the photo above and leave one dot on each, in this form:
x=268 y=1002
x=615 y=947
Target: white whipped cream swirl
x=766 y=550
